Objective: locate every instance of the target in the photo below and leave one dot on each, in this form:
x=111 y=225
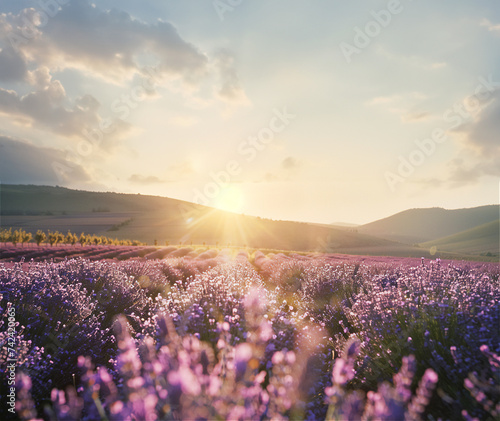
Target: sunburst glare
x=230 y=198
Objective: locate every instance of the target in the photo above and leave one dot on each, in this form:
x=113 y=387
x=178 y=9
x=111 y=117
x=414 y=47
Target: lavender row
x=253 y=338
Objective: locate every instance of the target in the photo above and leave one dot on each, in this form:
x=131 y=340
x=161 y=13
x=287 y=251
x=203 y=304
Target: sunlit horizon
x=314 y=112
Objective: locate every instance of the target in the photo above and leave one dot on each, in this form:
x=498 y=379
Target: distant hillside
x=421 y=225
x=344 y=224
x=37 y=200
x=479 y=240
x=150 y=218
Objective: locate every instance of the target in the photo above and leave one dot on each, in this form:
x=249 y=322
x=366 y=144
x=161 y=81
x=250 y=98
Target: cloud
x=143 y=179
x=462 y=173
x=39 y=77
x=481 y=133
x=438 y=65
x=181 y=170
x=174 y=173
x=13 y=66
x=413 y=117
x=108 y=44
x=480 y=153
x=396 y=99
x=290 y=164
x=182 y=120
x=230 y=89
x=24 y=163
x=271 y=178
x=404 y=105
x=491 y=26
x=380 y=100
x=288 y=168
x=49 y=107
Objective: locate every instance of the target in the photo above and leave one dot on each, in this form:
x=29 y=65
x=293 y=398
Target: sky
x=319 y=111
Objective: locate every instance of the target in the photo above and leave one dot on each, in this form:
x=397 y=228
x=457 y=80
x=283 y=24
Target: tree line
x=20 y=236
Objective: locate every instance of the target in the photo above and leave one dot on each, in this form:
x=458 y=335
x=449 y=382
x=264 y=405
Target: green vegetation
x=483 y=239
x=174 y=222
x=422 y=225
x=16 y=237
x=55 y=237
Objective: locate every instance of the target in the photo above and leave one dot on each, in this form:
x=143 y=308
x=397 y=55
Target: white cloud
x=491 y=26
x=479 y=156
x=404 y=105
x=438 y=65
x=381 y=100
x=107 y=44
x=481 y=133
x=230 y=87
x=39 y=77
x=49 y=107
x=415 y=117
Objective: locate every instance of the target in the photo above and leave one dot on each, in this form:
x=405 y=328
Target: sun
x=230 y=198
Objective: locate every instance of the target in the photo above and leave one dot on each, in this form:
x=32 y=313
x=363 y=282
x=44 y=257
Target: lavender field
x=251 y=337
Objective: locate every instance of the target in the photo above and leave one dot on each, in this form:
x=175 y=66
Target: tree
x=19 y=235
x=83 y=239
x=25 y=237
x=40 y=237
x=70 y=238
x=5 y=235
x=14 y=237
x=53 y=237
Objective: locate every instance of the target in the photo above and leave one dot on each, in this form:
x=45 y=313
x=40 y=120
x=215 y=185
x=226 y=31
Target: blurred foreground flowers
x=239 y=340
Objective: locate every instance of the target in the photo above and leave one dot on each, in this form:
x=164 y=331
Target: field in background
x=454 y=234
x=59 y=253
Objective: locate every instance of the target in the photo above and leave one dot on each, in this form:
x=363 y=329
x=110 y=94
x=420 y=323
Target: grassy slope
x=481 y=239
x=164 y=219
x=421 y=225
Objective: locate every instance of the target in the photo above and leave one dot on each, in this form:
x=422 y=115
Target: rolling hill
x=162 y=220
x=422 y=225
x=153 y=218
x=483 y=239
